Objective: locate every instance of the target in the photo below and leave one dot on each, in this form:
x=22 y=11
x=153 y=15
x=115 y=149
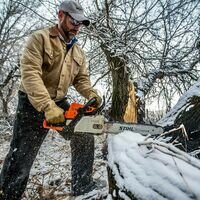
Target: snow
x=168 y=120
x=147 y=168
x=52 y=167
x=148 y=172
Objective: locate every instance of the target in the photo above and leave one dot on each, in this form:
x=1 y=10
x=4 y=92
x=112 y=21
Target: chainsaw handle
x=91 y=102
x=57 y=127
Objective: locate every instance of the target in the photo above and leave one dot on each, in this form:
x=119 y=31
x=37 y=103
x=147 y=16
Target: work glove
x=54 y=114
x=98 y=98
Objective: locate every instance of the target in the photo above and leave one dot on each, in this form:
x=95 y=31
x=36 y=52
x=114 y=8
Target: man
x=51 y=62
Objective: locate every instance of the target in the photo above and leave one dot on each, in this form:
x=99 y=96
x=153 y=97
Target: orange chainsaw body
x=69 y=114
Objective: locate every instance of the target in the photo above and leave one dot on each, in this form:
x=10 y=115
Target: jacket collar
x=53 y=31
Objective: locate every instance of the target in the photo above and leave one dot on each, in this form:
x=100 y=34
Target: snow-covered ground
x=50 y=174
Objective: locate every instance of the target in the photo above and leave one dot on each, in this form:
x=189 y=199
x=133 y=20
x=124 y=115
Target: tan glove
x=98 y=98
x=54 y=114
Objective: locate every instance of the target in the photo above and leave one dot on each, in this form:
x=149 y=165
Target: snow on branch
x=150 y=169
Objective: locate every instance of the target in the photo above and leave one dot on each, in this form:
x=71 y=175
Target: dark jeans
x=28 y=135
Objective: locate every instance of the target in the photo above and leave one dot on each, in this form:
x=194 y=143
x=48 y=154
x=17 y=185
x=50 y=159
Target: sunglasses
x=72 y=20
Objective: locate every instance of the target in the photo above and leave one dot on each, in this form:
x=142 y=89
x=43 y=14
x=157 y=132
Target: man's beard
x=67 y=32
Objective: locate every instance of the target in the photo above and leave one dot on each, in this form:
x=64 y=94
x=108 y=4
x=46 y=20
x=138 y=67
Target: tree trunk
x=141 y=111
x=120 y=78
x=190 y=118
x=114 y=190
x=137 y=169
x=120 y=91
x=186 y=112
x=5 y=107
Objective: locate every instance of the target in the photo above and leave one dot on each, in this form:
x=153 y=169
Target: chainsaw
x=85 y=118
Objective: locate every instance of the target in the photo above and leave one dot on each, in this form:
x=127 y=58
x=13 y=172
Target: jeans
x=28 y=135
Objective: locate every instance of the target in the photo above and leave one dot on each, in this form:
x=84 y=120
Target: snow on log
x=144 y=168
x=185 y=111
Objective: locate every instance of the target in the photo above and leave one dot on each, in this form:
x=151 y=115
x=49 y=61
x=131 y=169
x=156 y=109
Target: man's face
x=69 y=26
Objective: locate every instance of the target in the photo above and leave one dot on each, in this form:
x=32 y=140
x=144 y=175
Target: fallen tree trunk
x=140 y=168
x=186 y=112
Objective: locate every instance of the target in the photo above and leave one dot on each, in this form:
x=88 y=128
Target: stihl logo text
x=126 y=128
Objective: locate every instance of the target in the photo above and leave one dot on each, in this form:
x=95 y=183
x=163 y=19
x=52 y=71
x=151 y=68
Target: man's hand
x=54 y=114
x=98 y=98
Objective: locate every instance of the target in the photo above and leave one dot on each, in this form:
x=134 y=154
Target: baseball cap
x=75 y=10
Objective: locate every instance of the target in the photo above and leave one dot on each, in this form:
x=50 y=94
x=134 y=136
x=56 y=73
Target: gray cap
x=75 y=10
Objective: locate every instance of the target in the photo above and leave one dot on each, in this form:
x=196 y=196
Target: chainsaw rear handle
x=56 y=127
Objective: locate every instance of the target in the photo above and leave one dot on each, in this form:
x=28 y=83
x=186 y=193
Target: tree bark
x=186 y=112
x=120 y=78
x=190 y=118
x=114 y=190
x=120 y=92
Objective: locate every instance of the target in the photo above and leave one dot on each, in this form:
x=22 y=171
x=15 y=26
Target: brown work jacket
x=48 y=69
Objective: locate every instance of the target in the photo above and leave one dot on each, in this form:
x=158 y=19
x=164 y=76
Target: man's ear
x=60 y=14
